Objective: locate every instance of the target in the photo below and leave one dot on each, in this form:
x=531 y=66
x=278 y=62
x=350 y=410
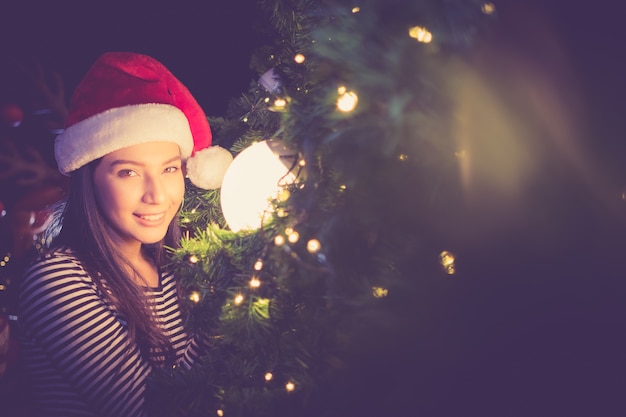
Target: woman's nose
x=155 y=191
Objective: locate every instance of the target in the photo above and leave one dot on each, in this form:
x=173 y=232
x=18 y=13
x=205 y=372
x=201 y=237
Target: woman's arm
x=83 y=338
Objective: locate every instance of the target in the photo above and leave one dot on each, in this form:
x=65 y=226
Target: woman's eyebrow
x=131 y=162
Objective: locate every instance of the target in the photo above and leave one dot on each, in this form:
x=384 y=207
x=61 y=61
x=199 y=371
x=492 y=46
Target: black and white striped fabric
x=75 y=347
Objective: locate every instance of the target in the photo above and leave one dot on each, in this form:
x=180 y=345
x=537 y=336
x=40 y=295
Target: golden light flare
x=290 y=386
x=255 y=282
x=421 y=34
x=269 y=376
x=299 y=58
x=220 y=413
x=379 y=292
x=446 y=259
x=494 y=149
x=488 y=8
x=193 y=259
x=356 y=9
x=238 y=299
x=279 y=240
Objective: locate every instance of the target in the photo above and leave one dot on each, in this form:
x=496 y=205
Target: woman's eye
x=126 y=173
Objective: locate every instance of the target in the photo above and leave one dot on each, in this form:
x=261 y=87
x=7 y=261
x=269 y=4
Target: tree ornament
x=256 y=176
x=271 y=81
x=12 y=114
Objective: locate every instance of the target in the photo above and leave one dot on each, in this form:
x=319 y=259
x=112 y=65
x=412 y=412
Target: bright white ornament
x=256 y=176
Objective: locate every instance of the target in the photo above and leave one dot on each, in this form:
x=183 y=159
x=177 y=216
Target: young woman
x=98 y=311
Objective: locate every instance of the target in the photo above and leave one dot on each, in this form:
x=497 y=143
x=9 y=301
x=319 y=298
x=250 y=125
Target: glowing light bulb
x=258 y=265
x=293 y=237
x=280 y=103
x=447 y=261
x=269 y=376
x=379 y=292
x=347 y=101
x=284 y=195
x=356 y=9
x=290 y=386
x=279 y=240
x=193 y=259
x=313 y=246
x=238 y=299
x=255 y=282
x=403 y=157
x=220 y=413
x=195 y=296
x=421 y=34
x=299 y=58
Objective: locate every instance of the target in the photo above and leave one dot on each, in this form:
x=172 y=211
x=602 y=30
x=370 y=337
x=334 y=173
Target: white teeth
x=152 y=217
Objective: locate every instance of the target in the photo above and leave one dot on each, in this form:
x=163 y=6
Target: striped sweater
x=76 y=349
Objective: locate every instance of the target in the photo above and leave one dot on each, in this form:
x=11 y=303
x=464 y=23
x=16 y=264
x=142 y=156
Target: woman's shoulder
x=54 y=263
x=56 y=256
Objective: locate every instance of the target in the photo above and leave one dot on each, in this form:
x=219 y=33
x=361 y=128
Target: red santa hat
x=126 y=99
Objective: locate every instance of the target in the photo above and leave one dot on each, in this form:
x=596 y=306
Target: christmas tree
x=314 y=302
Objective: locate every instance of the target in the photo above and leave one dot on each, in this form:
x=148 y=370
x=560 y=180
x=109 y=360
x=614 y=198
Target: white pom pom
x=206 y=168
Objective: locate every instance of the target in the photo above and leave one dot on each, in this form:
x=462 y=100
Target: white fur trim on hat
x=119 y=128
x=206 y=169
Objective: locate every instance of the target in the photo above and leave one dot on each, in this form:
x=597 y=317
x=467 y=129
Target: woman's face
x=140 y=189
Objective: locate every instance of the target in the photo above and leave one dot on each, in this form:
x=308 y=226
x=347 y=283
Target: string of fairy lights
x=347 y=100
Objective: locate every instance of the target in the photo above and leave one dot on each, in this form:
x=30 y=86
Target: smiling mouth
x=151 y=217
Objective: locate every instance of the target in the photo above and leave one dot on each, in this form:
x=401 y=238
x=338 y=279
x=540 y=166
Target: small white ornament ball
x=206 y=168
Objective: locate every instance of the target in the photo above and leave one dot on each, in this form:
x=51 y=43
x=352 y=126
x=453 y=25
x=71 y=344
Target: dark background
x=206 y=44
x=209 y=44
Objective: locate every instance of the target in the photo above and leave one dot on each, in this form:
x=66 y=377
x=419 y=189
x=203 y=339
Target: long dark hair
x=82 y=227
